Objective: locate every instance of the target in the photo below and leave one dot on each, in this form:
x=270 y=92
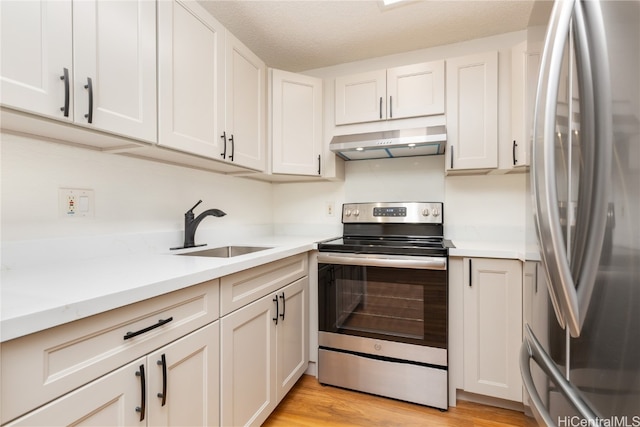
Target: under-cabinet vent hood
x=426 y=141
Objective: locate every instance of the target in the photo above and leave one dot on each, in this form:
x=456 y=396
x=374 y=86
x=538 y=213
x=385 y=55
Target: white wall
x=132 y=197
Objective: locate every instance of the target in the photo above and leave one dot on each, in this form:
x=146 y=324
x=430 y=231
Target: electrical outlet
x=76 y=202
x=329 y=208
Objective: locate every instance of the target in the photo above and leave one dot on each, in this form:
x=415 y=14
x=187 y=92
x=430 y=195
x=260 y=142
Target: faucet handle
x=190 y=211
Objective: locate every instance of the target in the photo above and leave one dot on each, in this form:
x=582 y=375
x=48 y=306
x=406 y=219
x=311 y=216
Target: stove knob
x=347 y=212
x=425 y=212
x=435 y=212
x=356 y=212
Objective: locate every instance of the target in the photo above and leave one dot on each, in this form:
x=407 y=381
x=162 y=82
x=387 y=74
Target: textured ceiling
x=306 y=34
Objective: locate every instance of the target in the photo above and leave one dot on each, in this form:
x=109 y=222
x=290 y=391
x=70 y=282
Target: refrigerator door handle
x=532 y=350
x=543 y=176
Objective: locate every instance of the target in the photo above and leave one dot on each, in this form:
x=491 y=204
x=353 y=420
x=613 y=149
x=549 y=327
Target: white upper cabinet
x=472 y=112
x=191 y=79
x=296 y=123
x=104 y=77
x=114 y=58
x=525 y=65
x=395 y=93
x=245 y=128
x=33 y=69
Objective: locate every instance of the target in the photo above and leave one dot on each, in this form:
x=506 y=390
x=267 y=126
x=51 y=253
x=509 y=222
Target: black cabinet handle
x=381 y=108
x=233 y=147
x=143 y=393
x=390 y=106
x=451 y=157
x=161 y=322
x=89 y=86
x=319 y=165
x=163 y=362
x=65 y=77
x=224 y=138
x=470 y=273
x=275 y=319
x=514 y=153
x=284 y=306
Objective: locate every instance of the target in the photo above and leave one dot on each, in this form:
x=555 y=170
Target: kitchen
x=139 y=205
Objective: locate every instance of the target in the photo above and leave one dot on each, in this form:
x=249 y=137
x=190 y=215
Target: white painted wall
x=139 y=205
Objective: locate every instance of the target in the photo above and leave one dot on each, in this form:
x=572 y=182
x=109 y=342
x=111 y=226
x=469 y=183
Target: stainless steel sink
x=226 y=251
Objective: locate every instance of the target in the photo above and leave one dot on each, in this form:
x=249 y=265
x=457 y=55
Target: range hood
x=426 y=141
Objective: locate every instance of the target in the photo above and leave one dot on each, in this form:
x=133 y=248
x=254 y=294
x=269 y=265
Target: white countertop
x=509 y=250
x=34 y=299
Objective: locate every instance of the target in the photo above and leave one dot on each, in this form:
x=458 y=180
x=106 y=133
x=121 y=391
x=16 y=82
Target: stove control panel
x=390 y=212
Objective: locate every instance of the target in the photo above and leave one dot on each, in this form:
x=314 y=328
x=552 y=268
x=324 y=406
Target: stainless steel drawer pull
x=148 y=328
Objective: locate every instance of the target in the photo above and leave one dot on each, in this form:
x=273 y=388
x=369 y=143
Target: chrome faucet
x=191 y=224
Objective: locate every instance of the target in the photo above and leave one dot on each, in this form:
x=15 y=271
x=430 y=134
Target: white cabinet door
x=296 y=123
x=361 y=97
x=245 y=106
x=472 y=112
x=525 y=65
x=493 y=327
x=114 y=58
x=114 y=67
x=35 y=51
x=415 y=90
x=184 y=382
x=191 y=79
x=248 y=363
x=293 y=334
x=108 y=401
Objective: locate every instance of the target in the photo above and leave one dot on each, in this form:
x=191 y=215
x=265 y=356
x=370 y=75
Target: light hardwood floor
x=311 y=404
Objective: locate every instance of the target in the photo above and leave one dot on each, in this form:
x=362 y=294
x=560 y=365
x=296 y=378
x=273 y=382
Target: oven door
x=392 y=298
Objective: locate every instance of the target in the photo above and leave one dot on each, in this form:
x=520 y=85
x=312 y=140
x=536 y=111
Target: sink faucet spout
x=191 y=223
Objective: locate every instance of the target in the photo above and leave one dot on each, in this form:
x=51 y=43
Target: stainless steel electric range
x=382 y=291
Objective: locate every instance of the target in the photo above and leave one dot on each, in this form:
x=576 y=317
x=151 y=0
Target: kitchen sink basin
x=226 y=251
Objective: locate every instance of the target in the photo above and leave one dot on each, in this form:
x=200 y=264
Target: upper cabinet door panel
x=191 y=79
x=361 y=97
x=35 y=50
x=296 y=123
x=472 y=111
x=245 y=105
x=115 y=47
x=415 y=90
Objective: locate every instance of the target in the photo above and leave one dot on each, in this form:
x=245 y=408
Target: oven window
x=403 y=305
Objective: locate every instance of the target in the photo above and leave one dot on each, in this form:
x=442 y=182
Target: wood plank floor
x=311 y=404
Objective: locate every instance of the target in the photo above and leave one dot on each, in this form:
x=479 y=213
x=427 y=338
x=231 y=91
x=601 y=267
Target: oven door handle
x=418 y=263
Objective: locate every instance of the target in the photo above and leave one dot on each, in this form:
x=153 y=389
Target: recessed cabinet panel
x=115 y=47
x=415 y=90
x=493 y=327
x=361 y=97
x=191 y=79
x=31 y=68
x=296 y=127
x=472 y=112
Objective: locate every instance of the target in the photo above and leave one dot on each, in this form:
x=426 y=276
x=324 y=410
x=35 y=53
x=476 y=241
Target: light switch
x=76 y=202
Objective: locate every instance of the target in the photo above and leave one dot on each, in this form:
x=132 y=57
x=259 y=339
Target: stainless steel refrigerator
x=580 y=359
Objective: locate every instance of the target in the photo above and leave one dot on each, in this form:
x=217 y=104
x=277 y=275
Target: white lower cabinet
x=492 y=327
x=175 y=386
x=264 y=351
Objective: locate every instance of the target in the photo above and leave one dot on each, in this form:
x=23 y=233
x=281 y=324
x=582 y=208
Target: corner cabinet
x=244 y=133
x=472 y=112
x=89 y=63
x=296 y=123
x=492 y=327
x=265 y=343
x=190 y=79
x=395 y=93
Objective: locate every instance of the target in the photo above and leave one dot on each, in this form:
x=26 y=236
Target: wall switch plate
x=76 y=203
x=330 y=208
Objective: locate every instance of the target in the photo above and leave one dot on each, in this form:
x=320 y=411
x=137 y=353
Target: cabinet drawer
x=39 y=367
x=242 y=288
